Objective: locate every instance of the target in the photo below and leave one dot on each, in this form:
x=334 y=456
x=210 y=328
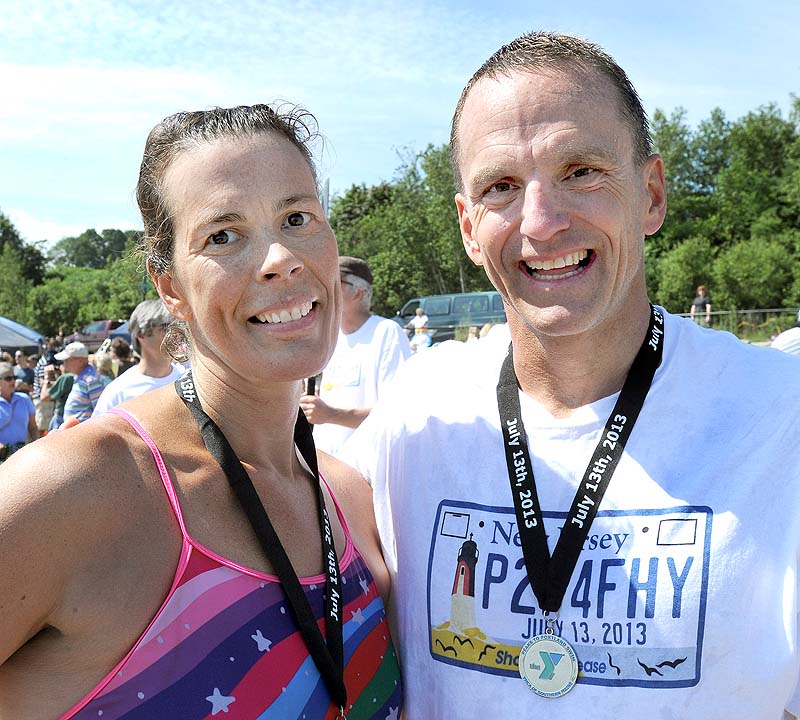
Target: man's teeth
x=565 y=261
x=283 y=316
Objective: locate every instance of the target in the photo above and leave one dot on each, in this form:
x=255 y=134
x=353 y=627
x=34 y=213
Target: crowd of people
x=593 y=509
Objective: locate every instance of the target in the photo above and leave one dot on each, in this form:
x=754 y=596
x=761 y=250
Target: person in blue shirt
x=17 y=421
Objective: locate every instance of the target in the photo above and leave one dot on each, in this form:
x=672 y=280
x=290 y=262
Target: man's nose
x=543 y=212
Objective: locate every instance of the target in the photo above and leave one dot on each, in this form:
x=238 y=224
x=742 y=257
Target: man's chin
x=553 y=321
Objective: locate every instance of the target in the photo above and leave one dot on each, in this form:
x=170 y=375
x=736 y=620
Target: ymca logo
x=550 y=660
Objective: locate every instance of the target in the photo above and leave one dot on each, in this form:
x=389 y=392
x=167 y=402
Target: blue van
x=447 y=312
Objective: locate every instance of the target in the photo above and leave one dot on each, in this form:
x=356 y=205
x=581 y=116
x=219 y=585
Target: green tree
x=752 y=183
x=751 y=274
x=91 y=249
x=711 y=151
x=14 y=287
x=32 y=260
x=70 y=298
x=681 y=270
x=408 y=230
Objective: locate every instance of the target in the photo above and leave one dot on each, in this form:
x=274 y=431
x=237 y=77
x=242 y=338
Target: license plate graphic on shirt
x=634 y=610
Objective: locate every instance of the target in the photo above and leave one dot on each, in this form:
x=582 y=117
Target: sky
x=82 y=82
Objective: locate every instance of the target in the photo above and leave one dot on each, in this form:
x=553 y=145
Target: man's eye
x=223 y=237
x=297 y=219
x=583 y=172
x=500 y=187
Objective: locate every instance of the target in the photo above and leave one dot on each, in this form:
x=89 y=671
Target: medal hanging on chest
x=547 y=663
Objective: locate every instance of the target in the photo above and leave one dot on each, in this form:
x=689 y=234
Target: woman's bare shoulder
x=63 y=498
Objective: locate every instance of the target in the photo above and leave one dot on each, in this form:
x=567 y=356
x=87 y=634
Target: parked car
x=447 y=312
x=94 y=333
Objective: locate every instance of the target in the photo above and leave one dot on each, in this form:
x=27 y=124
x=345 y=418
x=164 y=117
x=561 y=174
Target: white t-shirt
x=418 y=321
x=131 y=384
x=362 y=363
x=684 y=600
x=788 y=341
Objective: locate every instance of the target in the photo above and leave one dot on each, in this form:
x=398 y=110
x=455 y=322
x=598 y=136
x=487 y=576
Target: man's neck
x=566 y=373
x=154 y=363
x=354 y=321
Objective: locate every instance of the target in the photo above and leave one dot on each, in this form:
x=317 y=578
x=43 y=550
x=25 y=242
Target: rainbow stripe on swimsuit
x=224 y=643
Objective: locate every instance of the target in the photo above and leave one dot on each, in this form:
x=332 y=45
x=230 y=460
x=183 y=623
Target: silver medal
x=548 y=664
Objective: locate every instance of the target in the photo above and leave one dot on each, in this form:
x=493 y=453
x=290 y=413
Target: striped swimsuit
x=224 y=643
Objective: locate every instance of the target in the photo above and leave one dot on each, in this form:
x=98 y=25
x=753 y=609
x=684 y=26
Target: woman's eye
x=223 y=237
x=297 y=219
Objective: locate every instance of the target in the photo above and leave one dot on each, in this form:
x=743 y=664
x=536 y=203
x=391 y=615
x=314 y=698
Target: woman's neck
x=257 y=419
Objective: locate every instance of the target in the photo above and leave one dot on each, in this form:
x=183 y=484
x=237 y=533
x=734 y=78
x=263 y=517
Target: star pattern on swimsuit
x=264 y=644
x=364 y=585
x=358 y=616
x=219 y=702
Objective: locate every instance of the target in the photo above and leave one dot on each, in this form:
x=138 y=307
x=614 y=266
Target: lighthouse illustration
x=462 y=599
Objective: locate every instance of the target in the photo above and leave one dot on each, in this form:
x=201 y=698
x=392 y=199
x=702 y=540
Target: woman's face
x=255 y=264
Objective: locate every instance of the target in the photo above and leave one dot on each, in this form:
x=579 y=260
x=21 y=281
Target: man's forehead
x=501 y=105
x=520 y=90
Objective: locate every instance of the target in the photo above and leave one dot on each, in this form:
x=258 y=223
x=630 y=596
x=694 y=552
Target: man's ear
x=471 y=246
x=656 y=188
x=169 y=291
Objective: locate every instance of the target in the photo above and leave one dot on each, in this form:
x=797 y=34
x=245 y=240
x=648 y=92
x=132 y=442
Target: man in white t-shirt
x=368 y=353
x=789 y=340
x=587 y=523
x=148 y=324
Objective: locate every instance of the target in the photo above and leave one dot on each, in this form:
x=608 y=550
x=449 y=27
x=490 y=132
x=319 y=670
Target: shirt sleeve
x=77 y=400
x=5 y=414
x=56 y=390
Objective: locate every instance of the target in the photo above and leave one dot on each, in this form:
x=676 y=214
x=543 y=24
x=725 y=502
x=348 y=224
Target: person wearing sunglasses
x=17 y=415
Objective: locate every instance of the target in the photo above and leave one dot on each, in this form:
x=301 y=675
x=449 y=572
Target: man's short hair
x=145 y=318
x=537 y=51
x=359 y=283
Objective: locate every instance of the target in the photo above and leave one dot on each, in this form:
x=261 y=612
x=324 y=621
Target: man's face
x=74 y=364
x=554 y=206
x=351 y=297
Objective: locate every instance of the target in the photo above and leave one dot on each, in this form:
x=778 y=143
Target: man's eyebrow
x=582 y=153
x=485 y=174
x=286 y=202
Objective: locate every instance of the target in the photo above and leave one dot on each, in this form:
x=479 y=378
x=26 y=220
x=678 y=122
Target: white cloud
x=34 y=229
x=56 y=101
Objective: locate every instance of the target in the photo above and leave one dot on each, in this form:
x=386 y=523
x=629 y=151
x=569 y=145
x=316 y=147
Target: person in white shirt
x=581 y=520
x=789 y=340
x=422 y=336
x=148 y=324
x=369 y=351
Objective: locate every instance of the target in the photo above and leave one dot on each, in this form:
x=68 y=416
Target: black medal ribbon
x=328 y=655
x=549 y=577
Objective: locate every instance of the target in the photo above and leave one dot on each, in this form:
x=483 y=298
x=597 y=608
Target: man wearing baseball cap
x=73 y=359
x=368 y=353
x=87 y=386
